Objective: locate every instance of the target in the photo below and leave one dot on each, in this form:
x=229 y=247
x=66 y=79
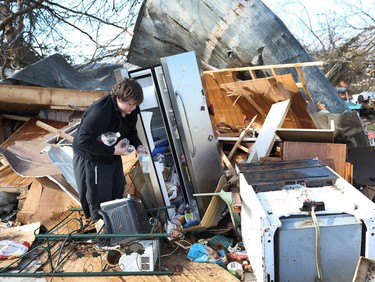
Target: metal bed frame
x=57 y=249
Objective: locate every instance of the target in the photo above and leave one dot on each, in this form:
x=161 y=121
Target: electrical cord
x=317 y=245
x=60 y=252
x=166 y=255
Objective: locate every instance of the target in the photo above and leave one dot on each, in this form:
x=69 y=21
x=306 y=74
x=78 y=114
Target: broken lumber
x=54 y=130
x=266 y=138
x=242 y=135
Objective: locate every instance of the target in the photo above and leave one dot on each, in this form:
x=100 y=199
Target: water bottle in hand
x=109 y=138
x=125 y=144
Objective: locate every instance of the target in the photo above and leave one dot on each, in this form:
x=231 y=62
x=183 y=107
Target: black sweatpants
x=98 y=183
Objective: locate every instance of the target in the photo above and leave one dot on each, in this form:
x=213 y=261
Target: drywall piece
x=266 y=138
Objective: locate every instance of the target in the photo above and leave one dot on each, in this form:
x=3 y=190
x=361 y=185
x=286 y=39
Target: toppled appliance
x=301 y=221
x=175 y=126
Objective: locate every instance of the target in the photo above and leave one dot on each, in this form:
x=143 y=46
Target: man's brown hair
x=127 y=90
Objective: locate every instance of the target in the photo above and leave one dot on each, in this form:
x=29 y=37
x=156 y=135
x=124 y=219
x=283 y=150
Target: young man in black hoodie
x=97 y=167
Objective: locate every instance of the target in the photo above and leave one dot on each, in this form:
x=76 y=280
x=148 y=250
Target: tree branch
x=9 y=19
x=87 y=15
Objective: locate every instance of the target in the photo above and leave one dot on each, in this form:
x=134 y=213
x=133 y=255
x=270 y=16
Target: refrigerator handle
x=192 y=153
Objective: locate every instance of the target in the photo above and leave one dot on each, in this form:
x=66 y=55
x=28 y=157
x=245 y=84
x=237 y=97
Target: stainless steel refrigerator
x=176 y=126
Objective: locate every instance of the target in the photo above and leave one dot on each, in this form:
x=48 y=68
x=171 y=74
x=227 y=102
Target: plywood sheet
x=22 y=150
x=30 y=131
x=222 y=106
x=28 y=162
x=52 y=201
x=11 y=182
x=234 y=99
x=333 y=154
x=255 y=97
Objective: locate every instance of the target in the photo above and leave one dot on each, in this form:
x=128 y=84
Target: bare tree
x=344 y=37
x=33 y=29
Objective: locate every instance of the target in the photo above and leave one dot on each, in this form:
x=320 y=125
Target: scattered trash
x=12 y=249
x=238 y=252
x=220 y=242
x=235 y=268
x=174 y=229
x=203 y=253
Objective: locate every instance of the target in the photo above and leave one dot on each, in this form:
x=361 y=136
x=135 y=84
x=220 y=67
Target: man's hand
x=123 y=147
x=141 y=149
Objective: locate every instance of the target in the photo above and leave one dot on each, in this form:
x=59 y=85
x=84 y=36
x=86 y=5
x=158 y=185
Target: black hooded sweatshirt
x=101 y=117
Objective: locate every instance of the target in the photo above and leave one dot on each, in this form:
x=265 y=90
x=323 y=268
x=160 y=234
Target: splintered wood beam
x=54 y=130
x=14 y=117
x=53 y=97
x=270 y=67
x=236 y=199
x=303 y=82
x=266 y=138
x=227 y=163
x=242 y=135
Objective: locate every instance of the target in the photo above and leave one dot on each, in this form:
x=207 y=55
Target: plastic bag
x=203 y=253
x=12 y=249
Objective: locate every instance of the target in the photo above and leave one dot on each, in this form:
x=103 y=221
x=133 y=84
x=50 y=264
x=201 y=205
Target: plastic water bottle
x=109 y=138
x=125 y=145
x=144 y=158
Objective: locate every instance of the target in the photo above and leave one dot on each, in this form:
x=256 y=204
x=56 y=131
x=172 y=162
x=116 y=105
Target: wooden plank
x=14 y=117
x=334 y=155
x=54 y=130
x=227 y=163
x=7 y=177
x=11 y=189
x=30 y=131
x=31 y=203
x=266 y=138
x=349 y=172
x=303 y=82
x=270 y=67
x=233 y=100
x=56 y=97
x=213 y=211
x=236 y=199
x=298 y=108
x=11 y=182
